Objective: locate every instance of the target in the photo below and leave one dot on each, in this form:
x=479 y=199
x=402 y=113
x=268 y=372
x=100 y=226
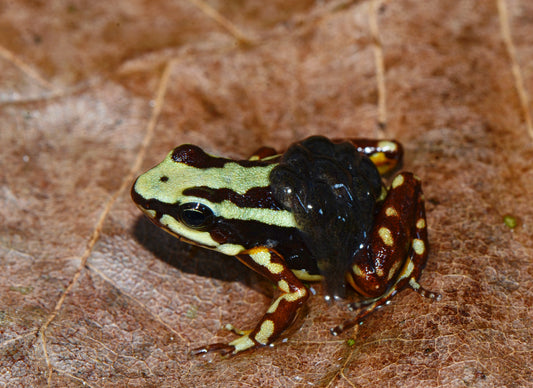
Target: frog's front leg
x=397 y=251
x=281 y=312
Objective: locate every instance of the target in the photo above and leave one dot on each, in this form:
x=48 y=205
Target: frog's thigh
x=283 y=310
x=397 y=251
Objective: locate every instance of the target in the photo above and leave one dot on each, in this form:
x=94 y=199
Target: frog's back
x=332 y=190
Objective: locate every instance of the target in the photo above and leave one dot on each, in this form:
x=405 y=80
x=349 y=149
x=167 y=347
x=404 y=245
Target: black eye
x=195 y=215
x=163 y=178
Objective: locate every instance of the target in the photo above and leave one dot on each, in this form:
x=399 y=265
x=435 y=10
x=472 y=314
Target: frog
x=320 y=211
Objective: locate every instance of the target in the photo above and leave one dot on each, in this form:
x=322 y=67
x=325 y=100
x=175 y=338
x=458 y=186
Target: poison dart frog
x=318 y=211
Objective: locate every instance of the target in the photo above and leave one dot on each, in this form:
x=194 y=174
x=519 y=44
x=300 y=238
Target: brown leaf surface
x=92 y=93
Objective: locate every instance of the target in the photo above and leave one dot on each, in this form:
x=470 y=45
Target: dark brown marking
x=192 y=155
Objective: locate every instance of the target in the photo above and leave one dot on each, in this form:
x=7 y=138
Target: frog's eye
x=196 y=215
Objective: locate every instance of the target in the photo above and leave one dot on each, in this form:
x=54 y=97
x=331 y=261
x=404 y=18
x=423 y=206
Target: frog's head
x=201 y=199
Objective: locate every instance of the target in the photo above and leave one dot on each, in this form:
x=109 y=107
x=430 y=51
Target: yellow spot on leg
x=262 y=257
x=294 y=296
x=274 y=306
x=289 y=297
x=394 y=269
x=421 y=223
x=386 y=236
x=379 y=271
x=265 y=332
x=419 y=246
x=356 y=270
x=242 y=343
x=391 y=212
x=283 y=286
x=398 y=181
x=407 y=269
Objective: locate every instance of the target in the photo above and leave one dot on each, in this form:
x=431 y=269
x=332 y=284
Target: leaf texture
x=93 y=93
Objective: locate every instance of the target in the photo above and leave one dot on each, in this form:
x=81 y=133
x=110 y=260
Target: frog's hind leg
x=396 y=253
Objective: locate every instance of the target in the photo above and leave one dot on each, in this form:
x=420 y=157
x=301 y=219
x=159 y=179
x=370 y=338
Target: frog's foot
x=422 y=291
x=223 y=348
x=415 y=286
x=219 y=347
x=244 y=342
x=365 y=307
x=360 y=304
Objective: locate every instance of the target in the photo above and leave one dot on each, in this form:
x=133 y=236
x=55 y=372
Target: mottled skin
x=289 y=226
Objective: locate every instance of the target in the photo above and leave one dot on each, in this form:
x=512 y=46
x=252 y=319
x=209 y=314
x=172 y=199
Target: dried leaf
x=92 y=93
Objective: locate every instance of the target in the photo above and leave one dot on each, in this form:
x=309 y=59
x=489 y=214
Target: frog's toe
x=422 y=291
x=242 y=343
x=220 y=348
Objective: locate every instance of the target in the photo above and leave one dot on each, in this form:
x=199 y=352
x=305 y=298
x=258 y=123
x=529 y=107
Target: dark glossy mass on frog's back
x=332 y=191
